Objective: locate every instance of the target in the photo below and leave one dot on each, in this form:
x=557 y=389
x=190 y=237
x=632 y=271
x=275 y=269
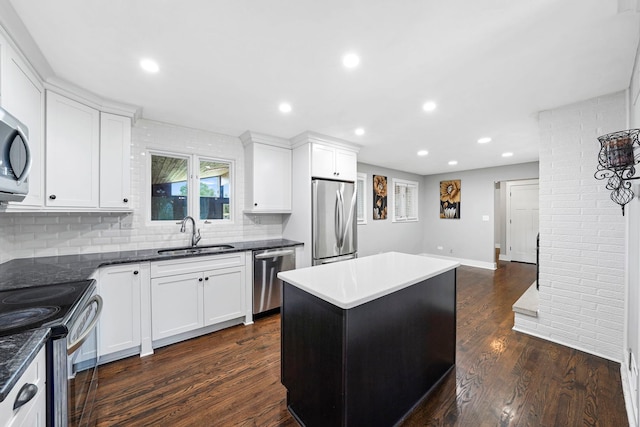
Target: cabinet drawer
x=195 y=264
x=35 y=374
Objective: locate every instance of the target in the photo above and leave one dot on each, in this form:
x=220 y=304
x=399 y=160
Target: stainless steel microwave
x=15 y=158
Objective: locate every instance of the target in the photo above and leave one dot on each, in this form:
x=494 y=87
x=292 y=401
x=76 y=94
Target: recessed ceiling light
x=350 y=60
x=453 y=162
x=507 y=154
x=149 y=65
x=484 y=140
x=429 y=106
x=359 y=131
x=285 y=107
x=423 y=153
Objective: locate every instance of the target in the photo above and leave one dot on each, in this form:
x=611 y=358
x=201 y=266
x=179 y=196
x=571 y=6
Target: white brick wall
x=45 y=234
x=582 y=232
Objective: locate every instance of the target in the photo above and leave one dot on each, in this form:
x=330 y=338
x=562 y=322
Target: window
x=405 y=201
x=177 y=192
x=169 y=187
x=215 y=189
x=362 y=197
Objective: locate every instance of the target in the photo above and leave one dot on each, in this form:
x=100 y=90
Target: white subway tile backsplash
x=47 y=234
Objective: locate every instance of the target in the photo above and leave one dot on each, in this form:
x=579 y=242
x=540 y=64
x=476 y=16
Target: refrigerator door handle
x=339 y=212
x=314 y=231
x=352 y=209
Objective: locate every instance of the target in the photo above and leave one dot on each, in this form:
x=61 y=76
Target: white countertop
x=348 y=284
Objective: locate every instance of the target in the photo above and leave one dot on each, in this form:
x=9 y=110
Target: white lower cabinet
x=119 y=325
x=176 y=304
x=33 y=412
x=193 y=293
x=222 y=294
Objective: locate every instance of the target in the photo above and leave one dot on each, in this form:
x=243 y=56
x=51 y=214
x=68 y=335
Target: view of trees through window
x=172 y=182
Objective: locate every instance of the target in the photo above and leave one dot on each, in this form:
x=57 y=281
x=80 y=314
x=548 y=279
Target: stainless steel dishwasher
x=267 y=288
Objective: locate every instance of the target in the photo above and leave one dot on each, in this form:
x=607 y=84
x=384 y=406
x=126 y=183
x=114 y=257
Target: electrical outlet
x=126 y=223
x=440 y=248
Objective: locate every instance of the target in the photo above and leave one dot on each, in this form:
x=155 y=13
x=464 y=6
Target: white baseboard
x=467 y=262
x=504 y=257
x=575 y=347
x=628 y=396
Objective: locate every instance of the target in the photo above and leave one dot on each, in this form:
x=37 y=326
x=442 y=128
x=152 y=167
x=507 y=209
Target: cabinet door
x=322 y=161
x=119 y=326
x=346 y=165
x=72 y=150
x=23 y=97
x=223 y=295
x=36 y=413
x=115 y=153
x=32 y=413
x=176 y=304
x=271 y=178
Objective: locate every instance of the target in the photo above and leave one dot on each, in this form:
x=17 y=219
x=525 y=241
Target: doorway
x=522 y=220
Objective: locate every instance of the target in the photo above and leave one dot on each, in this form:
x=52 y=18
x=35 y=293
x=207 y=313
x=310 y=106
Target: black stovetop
x=38 y=306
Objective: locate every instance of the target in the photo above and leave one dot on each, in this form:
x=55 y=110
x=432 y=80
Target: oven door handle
x=71 y=347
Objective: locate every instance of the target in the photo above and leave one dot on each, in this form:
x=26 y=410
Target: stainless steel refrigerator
x=334 y=221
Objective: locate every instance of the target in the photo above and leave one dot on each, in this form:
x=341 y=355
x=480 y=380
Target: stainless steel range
x=71 y=310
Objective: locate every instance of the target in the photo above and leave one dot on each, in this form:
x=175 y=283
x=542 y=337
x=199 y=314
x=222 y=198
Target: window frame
x=362 y=196
x=407 y=184
x=193 y=187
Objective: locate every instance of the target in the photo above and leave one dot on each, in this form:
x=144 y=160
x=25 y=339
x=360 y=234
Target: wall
x=6 y=237
x=582 y=232
x=384 y=235
x=477 y=200
x=632 y=339
x=46 y=234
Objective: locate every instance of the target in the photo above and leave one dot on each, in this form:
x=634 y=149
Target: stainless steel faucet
x=194 y=238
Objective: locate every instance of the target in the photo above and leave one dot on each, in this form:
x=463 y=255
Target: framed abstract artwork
x=450 y=199
x=379 y=197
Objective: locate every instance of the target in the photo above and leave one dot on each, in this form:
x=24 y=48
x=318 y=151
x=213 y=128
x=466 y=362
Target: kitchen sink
x=195 y=250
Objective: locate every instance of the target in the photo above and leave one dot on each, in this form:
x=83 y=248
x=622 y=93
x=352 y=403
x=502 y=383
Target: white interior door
x=523 y=221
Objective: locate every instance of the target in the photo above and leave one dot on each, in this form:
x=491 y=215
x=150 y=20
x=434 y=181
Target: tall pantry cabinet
x=315 y=156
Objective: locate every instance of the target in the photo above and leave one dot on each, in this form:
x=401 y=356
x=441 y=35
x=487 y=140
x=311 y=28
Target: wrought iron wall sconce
x=616 y=163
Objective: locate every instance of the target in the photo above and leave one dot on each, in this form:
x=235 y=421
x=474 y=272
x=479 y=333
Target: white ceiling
x=225 y=65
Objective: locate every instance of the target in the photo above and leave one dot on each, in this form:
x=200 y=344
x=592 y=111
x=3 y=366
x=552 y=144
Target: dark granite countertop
x=26 y=272
x=18 y=350
x=16 y=353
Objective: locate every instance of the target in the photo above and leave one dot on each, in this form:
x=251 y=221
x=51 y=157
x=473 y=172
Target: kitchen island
x=364 y=340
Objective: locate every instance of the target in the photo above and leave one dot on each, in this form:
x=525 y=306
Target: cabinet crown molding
x=76 y=93
x=250 y=137
x=311 y=137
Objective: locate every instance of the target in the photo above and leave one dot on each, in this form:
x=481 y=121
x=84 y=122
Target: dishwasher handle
x=272 y=254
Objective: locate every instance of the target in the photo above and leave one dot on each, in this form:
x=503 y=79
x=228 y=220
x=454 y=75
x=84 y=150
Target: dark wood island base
x=371 y=364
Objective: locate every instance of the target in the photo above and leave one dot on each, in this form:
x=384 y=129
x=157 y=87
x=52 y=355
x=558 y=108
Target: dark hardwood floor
x=501 y=378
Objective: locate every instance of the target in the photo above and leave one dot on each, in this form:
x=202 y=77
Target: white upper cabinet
x=23 y=97
x=267 y=173
x=72 y=153
x=115 y=154
x=333 y=162
x=80 y=143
